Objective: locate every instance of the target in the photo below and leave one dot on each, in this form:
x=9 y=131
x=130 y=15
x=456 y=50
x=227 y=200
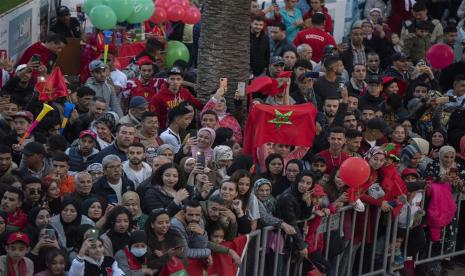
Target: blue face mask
x=138 y=252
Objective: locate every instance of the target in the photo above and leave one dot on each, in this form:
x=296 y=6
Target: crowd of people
x=146 y=179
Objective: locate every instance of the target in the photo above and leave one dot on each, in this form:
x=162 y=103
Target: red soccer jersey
x=317 y=39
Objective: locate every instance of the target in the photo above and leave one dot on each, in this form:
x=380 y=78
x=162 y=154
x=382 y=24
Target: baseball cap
x=20 y=67
x=276 y=60
x=138 y=102
x=175 y=71
x=96 y=64
x=18 y=236
x=145 y=60
x=380 y=124
x=63 y=11
x=410 y=171
x=399 y=56
x=374 y=79
x=25 y=114
x=88 y=132
x=34 y=148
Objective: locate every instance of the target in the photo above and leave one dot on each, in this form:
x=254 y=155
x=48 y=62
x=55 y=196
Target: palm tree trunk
x=224 y=46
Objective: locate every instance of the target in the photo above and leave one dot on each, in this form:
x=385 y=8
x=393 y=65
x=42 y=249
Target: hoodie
x=165 y=100
x=107 y=92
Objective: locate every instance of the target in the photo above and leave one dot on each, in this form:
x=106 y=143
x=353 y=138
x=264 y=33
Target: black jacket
x=111 y=149
x=19 y=95
x=280 y=47
x=368 y=100
x=155 y=198
x=348 y=58
x=291 y=209
x=102 y=189
x=73 y=30
x=259 y=53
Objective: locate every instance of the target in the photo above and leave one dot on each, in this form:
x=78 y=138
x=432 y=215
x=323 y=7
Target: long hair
x=114 y=213
x=157 y=179
x=235 y=177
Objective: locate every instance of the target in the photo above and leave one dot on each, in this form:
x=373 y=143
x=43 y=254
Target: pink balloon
x=182 y=3
x=162 y=3
x=354 y=171
x=440 y=56
x=175 y=13
x=159 y=15
x=192 y=15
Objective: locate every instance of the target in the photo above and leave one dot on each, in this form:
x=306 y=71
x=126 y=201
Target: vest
x=104 y=270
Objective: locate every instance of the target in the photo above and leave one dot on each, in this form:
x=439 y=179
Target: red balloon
x=162 y=3
x=159 y=15
x=354 y=172
x=175 y=13
x=182 y=3
x=440 y=56
x=192 y=15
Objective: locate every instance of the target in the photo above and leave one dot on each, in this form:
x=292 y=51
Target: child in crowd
x=15 y=261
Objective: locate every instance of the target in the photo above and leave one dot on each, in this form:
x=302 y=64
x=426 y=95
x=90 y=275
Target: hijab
x=408 y=152
x=70 y=228
x=208 y=152
x=270 y=202
x=442 y=152
x=422 y=144
x=374 y=151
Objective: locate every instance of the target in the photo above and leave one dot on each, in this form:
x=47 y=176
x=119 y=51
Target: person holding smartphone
x=47 y=240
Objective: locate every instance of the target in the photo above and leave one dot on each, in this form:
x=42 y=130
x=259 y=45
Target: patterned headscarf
x=408 y=152
x=270 y=202
x=374 y=151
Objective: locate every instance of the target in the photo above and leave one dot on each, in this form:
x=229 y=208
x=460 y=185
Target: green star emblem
x=281 y=119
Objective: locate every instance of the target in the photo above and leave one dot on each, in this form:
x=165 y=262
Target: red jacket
x=328 y=21
x=147 y=90
x=317 y=39
x=165 y=100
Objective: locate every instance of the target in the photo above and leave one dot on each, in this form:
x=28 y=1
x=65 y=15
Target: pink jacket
x=228 y=121
x=441 y=209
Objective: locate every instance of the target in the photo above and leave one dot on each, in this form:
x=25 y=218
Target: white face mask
x=138 y=251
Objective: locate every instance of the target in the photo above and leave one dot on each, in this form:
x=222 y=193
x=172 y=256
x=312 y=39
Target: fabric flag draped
x=52 y=87
x=285 y=124
x=223 y=263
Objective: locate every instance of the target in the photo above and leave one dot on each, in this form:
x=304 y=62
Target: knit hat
x=408 y=152
x=422 y=144
x=136 y=237
x=374 y=151
x=222 y=153
x=164 y=147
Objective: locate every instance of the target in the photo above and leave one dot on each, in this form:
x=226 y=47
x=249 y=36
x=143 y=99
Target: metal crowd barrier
x=343 y=263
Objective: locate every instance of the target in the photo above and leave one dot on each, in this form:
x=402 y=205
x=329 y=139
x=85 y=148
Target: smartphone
x=36 y=58
x=50 y=234
x=452 y=99
x=193 y=133
x=241 y=88
x=112 y=199
x=224 y=83
x=201 y=159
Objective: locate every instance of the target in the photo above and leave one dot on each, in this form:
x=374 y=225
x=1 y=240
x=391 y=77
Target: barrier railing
x=375 y=257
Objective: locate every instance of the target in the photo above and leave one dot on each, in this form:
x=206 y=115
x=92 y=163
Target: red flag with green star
x=282 y=124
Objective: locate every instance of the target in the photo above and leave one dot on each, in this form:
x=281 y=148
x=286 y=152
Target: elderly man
x=114 y=183
x=305 y=52
x=137 y=106
x=82 y=186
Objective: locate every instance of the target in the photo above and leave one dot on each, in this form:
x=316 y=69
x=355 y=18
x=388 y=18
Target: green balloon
x=142 y=10
x=90 y=4
x=122 y=8
x=176 y=51
x=103 y=17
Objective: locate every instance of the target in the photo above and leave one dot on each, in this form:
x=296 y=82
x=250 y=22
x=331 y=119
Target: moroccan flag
x=223 y=264
x=282 y=124
x=52 y=87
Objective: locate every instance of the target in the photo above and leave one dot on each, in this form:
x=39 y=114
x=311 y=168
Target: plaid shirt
x=359 y=55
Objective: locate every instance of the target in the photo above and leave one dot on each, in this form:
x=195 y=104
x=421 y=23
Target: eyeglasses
x=113 y=167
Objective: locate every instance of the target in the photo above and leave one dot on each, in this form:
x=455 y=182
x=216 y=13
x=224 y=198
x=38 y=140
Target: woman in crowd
x=37 y=218
x=67 y=222
x=437 y=140
x=167 y=190
x=398 y=139
x=104 y=135
x=293 y=168
x=161 y=239
x=55 y=261
x=248 y=199
x=52 y=199
x=202 y=144
x=274 y=171
x=131 y=201
x=229 y=192
x=47 y=240
x=318 y=6
x=117 y=228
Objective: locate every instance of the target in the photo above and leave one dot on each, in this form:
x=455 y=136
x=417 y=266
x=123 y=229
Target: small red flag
x=283 y=124
x=223 y=263
x=52 y=87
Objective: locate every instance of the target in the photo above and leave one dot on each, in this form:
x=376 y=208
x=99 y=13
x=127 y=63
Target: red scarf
x=133 y=263
x=11 y=267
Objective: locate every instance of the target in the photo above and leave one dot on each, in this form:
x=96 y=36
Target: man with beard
x=11 y=202
x=19 y=87
x=193 y=235
x=353 y=142
x=137 y=106
x=334 y=156
x=124 y=138
x=135 y=168
x=113 y=184
x=350 y=121
x=373 y=96
x=35 y=162
x=32 y=188
x=259 y=46
x=6 y=160
x=146 y=85
x=329 y=84
x=84 y=149
x=356 y=53
x=215 y=211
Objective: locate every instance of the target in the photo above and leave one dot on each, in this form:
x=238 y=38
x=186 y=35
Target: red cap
x=88 y=132
x=25 y=114
x=144 y=60
x=318 y=190
x=409 y=171
x=18 y=236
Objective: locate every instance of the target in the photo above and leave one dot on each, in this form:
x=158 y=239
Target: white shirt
x=170 y=137
x=119 y=78
x=137 y=176
x=118 y=190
